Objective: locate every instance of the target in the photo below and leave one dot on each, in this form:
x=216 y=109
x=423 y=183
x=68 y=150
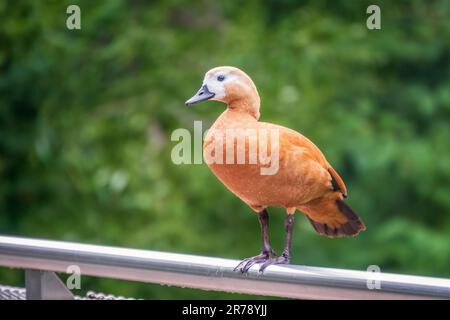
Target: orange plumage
x=304 y=180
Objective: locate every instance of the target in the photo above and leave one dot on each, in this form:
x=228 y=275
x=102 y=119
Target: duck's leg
x=285 y=258
x=266 y=253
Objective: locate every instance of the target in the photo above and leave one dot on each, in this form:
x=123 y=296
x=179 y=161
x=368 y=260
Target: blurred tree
x=86 y=117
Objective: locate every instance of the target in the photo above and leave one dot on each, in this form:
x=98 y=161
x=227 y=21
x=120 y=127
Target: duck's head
x=229 y=85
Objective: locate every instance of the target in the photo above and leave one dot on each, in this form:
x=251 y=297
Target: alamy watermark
x=253 y=146
x=373 y=277
x=73 y=21
x=74 y=280
x=374 y=20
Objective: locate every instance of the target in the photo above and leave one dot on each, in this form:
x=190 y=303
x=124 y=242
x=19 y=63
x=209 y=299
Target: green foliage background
x=86 y=118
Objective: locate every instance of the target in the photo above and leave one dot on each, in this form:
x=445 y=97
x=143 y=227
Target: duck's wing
x=322 y=188
x=337 y=182
x=312 y=154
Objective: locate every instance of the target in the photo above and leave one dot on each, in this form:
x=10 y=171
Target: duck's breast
x=293 y=180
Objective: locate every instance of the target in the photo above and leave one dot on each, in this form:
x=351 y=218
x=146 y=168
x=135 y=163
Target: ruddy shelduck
x=304 y=180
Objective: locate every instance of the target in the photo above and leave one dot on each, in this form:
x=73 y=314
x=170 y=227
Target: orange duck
x=302 y=178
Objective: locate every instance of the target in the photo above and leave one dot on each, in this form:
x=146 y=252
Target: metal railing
x=41 y=258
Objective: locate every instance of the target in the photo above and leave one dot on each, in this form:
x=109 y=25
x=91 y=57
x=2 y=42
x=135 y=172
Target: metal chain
x=91 y=295
x=13 y=293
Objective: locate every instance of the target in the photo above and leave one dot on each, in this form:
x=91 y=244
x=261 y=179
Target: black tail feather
x=351 y=228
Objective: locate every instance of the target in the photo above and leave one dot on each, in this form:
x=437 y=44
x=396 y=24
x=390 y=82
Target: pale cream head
x=229 y=85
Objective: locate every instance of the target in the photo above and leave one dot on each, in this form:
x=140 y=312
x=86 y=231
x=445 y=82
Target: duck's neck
x=249 y=105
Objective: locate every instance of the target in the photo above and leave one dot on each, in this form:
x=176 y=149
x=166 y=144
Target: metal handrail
x=291 y=281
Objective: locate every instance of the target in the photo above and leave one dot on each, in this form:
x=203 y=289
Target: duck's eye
x=221 y=78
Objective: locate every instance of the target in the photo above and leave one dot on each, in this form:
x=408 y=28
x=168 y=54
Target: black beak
x=202 y=95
